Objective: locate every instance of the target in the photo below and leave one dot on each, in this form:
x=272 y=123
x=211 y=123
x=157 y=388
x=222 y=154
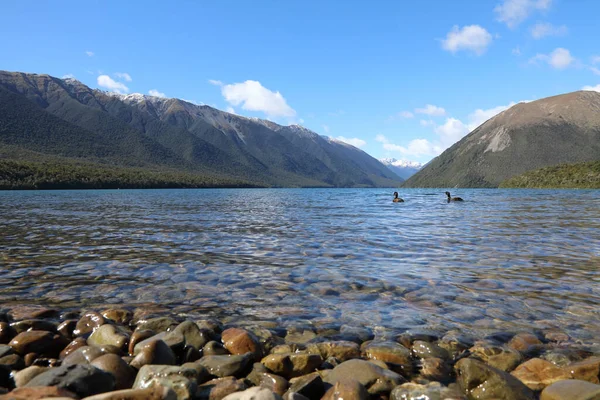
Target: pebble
x=83 y=380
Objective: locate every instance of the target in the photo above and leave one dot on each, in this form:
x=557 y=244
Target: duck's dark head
x=448 y=194
x=395 y=195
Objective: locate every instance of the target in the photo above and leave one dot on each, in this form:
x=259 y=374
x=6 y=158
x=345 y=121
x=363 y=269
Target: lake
x=515 y=260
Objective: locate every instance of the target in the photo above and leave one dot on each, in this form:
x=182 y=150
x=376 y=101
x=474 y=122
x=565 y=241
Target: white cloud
x=559 y=58
x=405 y=114
x=595 y=70
x=356 y=142
x=516 y=51
x=231 y=110
x=326 y=128
x=432 y=110
x=197 y=103
x=123 y=75
x=416 y=147
x=451 y=131
x=68 y=76
x=215 y=82
x=541 y=30
x=107 y=82
x=592 y=88
x=595 y=60
x=90 y=53
x=513 y=12
x=471 y=38
x=426 y=122
x=253 y=96
x=156 y=93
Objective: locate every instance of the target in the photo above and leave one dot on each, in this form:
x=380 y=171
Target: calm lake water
x=502 y=260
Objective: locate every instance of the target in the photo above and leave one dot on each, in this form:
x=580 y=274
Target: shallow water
x=501 y=260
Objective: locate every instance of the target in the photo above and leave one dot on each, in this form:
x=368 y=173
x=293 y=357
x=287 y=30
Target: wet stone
x=293 y=364
x=41 y=392
x=571 y=390
x=430 y=391
x=88 y=322
x=67 y=327
x=5 y=350
x=154 y=352
x=310 y=385
x=480 y=381
x=123 y=373
x=396 y=356
x=138 y=336
x=71 y=347
x=500 y=357
x=346 y=390
x=158 y=324
x=240 y=341
x=118 y=315
x=525 y=343
x=341 y=350
x=83 y=380
x=6 y=332
x=31 y=312
x=22 y=377
x=273 y=382
x=193 y=336
x=536 y=373
x=13 y=361
x=375 y=379
x=33 y=324
x=155 y=392
x=181 y=380
x=226 y=365
x=436 y=369
x=83 y=355
x=254 y=393
x=586 y=370
x=214 y=348
x=40 y=342
x=219 y=388
x=422 y=349
x=108 y=335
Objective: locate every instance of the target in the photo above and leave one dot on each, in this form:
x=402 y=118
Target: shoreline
x=153 y=354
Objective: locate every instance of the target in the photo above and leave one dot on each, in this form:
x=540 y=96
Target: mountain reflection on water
x=502 y=260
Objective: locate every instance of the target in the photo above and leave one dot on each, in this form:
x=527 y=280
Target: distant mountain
x=404 y=169
x=66 y=119
x=527 y=136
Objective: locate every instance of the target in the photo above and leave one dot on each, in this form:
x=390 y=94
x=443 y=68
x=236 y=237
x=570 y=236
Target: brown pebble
x=88 y=323
x=240 y=341
x=71 y=347
x=19 y=313
x=118 y=315
x=22 y=377
x=40 y=392
x=217 y=389
x=30 y=358
x=7 y=333
x=112 y=363
x=41 y=342
x=155 y=352
x=154 y=392
x=139 y=336
x=348 y=389
x=67 y=327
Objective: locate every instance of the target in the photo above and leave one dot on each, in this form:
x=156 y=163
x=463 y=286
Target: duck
x=453 y=198
x=397 y=199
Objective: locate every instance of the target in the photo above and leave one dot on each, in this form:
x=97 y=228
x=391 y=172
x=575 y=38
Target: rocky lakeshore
x=114 y=353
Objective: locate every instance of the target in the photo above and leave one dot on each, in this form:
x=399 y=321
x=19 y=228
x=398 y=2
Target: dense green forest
x=563 y=176
x=74 y=175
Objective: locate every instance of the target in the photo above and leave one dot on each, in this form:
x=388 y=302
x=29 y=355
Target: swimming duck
x=397 y=199
x=453 y=198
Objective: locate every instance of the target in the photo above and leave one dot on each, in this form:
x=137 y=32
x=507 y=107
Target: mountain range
x=404 y=169
x=528 y=136
x=43 y=117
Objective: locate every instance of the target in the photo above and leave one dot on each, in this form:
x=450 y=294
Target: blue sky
x=401 y=79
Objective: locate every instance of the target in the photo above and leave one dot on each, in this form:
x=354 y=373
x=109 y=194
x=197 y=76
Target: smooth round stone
x=375 y=379
x=213 y=326
x=346 y=390
x=83 y=355
x=155 y=392
x=123 y=373
x=67 y=327
x=423 y=349
x=214 y=348
x=273 y=382
x=480 y=381
x=241 y=341
x=219 y=388
x=33 y=324
x=586 y=370
x=430 y=391
x=293 y=364
x=118 y=315
x=71 y=347
x=310 y=385
x=194 y=336
x=88 y=322
x=496 y=356
x=174 y=340
x=300 y=337
x=408 y=338
x=227 y=365
x=108 y=335
x=254 y=393
x=83 y=380
x=159 y=324
x=341 y=350
x=31 y=312
x=22 y=377
x=40 y=342
x=571 y=390
x=398 y=357
x=154 y=352
x=5 y=350
x=138 y=336
x=525 y=343
x=436 y=369
x=536 y=373
x=41 y=392
x=6 y=332
x=13 y=361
